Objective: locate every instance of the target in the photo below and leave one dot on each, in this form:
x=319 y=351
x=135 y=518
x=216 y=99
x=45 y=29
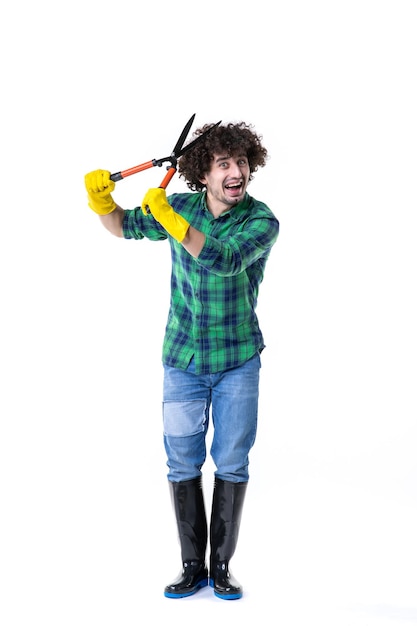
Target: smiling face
x=226 y=182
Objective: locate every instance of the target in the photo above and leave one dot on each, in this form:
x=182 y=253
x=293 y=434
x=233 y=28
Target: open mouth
x=234 y=187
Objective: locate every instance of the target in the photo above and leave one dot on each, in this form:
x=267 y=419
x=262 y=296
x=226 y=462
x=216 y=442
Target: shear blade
x=178 y=146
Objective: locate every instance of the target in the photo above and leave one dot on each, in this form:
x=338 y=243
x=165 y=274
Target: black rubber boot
x=226 y=514
x=188 y=501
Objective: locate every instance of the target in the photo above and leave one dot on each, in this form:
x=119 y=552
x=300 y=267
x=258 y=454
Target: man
x=220 y=240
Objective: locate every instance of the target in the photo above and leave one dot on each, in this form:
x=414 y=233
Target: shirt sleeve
x=136 y=225
x=251 y=240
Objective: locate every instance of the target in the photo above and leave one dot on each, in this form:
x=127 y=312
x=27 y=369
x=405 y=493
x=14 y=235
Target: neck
x=216 y=207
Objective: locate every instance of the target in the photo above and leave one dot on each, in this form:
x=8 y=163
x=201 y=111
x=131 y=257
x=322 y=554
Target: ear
x=203 y=181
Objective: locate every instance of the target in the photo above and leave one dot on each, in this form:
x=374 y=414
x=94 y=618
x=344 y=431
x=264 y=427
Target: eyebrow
x=225 y=158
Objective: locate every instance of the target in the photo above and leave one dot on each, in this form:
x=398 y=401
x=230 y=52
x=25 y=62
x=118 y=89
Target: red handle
x=170 y=173
x=132 y=170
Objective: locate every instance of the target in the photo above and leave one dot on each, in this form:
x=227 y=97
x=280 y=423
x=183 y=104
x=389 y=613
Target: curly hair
x=230 y=139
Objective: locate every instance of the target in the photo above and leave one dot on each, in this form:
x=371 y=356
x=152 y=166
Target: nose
x=235 y=170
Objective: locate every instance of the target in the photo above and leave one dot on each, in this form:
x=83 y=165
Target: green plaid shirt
x=213 y=298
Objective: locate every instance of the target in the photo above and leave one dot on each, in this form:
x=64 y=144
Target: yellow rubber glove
x=156 y=202
x=99 y=187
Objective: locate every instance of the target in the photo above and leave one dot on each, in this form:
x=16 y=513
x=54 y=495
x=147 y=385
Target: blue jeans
x=233 y=398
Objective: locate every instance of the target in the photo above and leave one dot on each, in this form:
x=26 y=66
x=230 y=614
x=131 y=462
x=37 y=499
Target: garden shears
x=178 y=151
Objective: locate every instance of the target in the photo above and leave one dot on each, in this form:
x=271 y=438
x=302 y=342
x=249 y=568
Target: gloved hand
x=156 y=202
x=99 y=187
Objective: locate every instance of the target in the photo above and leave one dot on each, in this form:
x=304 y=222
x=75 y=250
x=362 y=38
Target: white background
x=328 y=533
